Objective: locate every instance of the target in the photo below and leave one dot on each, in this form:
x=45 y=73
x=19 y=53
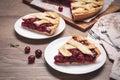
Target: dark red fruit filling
x=38 y=53
x=27 y=49
x=63 y=2
x=29 y=23
x=43 y=27
x=77 y=56
x=31 y=59
x=30 y=20
x=59 y=58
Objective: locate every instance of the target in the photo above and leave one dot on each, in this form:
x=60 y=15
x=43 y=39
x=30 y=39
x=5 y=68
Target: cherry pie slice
x=43 y=23
x=77 y=50
x=83 y=9
x=80 y=9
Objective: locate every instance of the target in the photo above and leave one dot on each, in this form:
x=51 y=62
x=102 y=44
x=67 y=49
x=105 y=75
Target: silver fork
x=104 y=31
x=96 y=37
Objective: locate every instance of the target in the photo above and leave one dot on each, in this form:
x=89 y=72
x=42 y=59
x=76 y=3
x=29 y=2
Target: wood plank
x=13 y=62
x=83 y=26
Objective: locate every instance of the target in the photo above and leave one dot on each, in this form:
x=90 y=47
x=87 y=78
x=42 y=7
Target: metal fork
x=96 y=37
x=104 y=31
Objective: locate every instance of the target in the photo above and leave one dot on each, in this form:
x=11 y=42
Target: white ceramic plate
x=29 y=34
x=52 y=50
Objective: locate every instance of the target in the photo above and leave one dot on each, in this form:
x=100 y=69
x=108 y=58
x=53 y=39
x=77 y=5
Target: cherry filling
x=67 y=2
x=43 y=27
x=30 y=20
x=77 y=56
x=29 y=23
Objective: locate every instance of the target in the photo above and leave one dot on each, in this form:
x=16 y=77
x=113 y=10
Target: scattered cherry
x=27 y=49
x=60 y=8
x=38 y=53
x=31 y=59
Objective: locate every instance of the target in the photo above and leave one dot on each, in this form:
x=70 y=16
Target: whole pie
x=83 y=9
x=77 y=50
x=43 y=23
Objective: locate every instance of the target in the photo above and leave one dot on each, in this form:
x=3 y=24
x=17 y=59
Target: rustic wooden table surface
x=13 y=61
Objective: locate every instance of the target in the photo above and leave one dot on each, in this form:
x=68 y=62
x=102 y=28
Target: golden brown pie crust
x=88 y=8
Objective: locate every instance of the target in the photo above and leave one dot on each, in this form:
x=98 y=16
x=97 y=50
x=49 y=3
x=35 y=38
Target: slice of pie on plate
x=84 y=9
x=77 y=50
x=44 y=23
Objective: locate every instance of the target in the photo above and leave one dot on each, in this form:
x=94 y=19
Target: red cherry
x=27 y=49
x=60 y=8
x=38 y=53
x=31 y=59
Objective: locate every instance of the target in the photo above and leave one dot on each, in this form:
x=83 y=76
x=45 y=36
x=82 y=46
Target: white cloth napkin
x=66 y=10
x=115 y=72
x=112 y=24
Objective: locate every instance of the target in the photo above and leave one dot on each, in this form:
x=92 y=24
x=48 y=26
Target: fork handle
x=114 y=45
x=103 y=48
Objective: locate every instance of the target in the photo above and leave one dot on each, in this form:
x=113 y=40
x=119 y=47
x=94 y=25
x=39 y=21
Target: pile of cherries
x=31 y=58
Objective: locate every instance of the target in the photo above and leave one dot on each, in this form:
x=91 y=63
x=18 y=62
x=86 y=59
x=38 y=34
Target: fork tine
x=95 y=35
x=102 y=28
x=92 y=34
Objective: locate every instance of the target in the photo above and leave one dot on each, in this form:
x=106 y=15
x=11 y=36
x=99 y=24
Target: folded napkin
x=115 y=72
x=112 y=24
x=66 y=10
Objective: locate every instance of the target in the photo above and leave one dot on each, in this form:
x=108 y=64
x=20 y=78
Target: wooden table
x=13 y=61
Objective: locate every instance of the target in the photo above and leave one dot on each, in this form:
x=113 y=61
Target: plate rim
x=18 y=22
x=102 y=63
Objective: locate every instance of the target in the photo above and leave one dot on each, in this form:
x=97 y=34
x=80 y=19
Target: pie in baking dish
x=77 y=50
x=81 y=9
x=84 y=9
x=43 y=23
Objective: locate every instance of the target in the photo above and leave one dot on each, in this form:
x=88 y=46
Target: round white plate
x=29 y=34
x=52 y=50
